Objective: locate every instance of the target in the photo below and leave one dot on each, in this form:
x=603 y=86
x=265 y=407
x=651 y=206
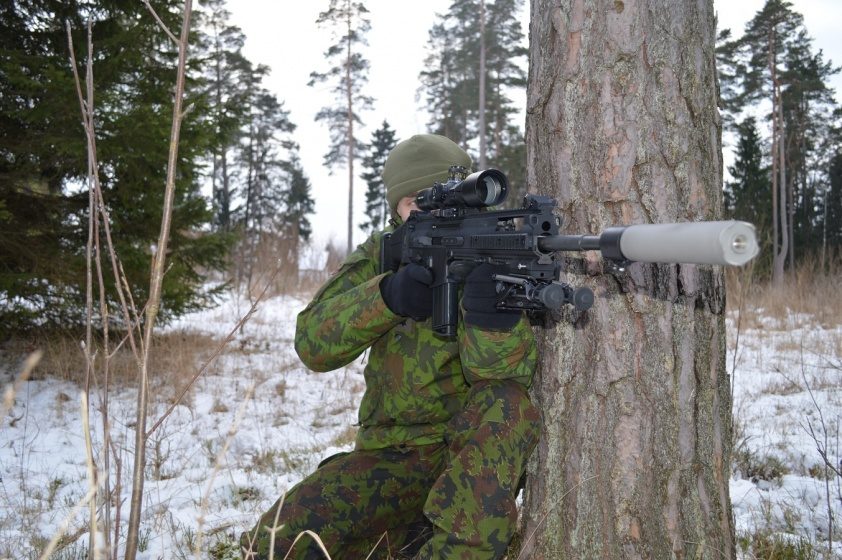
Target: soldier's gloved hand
x=479 y=300
x=408 y=293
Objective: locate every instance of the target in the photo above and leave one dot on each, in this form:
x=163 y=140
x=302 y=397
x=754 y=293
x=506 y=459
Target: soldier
x=446 y=425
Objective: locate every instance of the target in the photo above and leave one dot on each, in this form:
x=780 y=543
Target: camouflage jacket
x=415 y=380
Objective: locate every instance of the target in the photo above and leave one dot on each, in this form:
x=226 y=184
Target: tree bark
x=622 y=128
x=786 y=202
x=778 y=173
x=481 y=110
x=349 y=91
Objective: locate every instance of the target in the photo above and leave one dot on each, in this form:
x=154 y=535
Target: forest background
x=265 y=147
x=397 y=45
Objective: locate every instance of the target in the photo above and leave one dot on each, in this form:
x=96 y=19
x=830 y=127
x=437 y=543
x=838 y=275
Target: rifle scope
x=477 y=190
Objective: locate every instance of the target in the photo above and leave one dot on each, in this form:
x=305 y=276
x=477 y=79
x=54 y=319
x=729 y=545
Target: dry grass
x=807 y=297
x=176 y=356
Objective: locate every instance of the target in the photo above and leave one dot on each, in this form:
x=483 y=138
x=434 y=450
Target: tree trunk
x=622 y=128
x=778 y=173
x=481 y=109
x=780 y=257
x=789 y=216
x=349 y=92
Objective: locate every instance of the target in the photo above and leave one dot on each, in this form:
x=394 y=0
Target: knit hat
x=417 y=163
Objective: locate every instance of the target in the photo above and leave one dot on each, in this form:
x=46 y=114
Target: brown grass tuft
x=175 y=357
x=807 y=296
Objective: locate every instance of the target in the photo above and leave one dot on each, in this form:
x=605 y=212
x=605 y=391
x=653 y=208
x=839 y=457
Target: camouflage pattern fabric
x=472 y=504
x=460 y=404
x=415 y=380
x=466 y=488
x=351 y=501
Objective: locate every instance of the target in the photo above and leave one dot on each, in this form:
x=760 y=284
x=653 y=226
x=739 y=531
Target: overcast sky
x=284 y=36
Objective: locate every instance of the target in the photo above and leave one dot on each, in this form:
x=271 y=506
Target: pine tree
x=634 y=459
x=728 y=70
x=807 y=105
x=767 y=38
x=776 y=62
x=349 y=74
x=376 y=207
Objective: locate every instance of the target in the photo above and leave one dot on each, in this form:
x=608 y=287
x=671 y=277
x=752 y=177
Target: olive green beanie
x=417 y=163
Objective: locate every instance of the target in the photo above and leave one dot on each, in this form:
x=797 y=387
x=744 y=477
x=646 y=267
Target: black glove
x=408 y=292
x=480 y=301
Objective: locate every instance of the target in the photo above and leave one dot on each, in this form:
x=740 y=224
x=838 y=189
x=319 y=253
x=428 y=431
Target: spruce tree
x=298 y=201
x=748 y=195
x=505 y=58
x=448 y=112
x=376 y=207
x=227 y=73
x=44 y=158
x=348 y=75
x=292 y=222
x=832 y=206
x=264 y=145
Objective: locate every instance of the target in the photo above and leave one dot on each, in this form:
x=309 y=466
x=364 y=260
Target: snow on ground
x=258 y=421
x=277 y=419
x=787 y=377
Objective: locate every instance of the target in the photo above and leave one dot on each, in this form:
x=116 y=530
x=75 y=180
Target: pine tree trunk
x=481 y=125
x=778 y=174
x=349 y=92
x=622 y=127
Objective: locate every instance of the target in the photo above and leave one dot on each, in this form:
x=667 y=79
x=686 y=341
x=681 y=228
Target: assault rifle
x=454 y=232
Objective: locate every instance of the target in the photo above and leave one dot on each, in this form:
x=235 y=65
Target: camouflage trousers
x=454 y=500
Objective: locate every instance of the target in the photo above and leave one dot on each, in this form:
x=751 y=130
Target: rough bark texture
x=623 y=128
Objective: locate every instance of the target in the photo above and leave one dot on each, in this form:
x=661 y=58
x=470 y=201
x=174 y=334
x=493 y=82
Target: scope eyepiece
x=477 y=190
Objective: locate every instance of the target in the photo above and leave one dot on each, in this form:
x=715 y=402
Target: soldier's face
x=405 y=206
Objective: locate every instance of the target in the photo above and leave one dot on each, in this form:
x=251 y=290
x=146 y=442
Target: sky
x=284 y=36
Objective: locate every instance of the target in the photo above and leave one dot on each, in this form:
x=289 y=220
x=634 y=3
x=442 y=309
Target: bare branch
x=821 y=447
x=88 y=124
x=51 y=546
x=155 y=287
x=217 y=351
x=187 y=110
x=161 y=24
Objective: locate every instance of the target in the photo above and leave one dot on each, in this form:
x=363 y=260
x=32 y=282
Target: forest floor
x=258 y=421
